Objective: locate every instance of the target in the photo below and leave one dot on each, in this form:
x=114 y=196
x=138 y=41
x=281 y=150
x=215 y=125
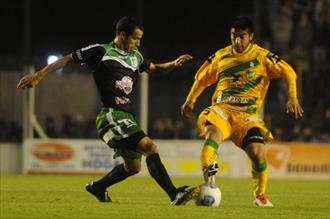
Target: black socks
x=159 y=173
x=155 y=168
x=117 y=174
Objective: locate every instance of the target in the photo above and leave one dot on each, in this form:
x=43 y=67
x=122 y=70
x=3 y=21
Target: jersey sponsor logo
x=272 y=57
x=126 y=84
x=122 y=100
x=233 y=99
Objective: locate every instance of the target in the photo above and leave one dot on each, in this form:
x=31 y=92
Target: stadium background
x=66 y=103
x=297 y=30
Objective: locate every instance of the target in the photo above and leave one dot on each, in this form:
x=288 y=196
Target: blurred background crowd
x=296 y=30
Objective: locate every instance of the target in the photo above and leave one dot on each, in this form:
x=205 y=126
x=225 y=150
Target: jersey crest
x=134 y=62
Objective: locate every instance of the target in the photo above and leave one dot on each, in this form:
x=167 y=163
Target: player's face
x=134 y=41
x=240 y=39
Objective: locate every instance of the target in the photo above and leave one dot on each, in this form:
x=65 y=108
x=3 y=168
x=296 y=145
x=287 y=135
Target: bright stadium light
x=53 y=58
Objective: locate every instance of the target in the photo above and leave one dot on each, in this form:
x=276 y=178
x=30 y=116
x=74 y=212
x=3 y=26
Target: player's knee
x=132 y=169
x=212 y=132
x=147 y=146
x=254 y=146
x=253 y=135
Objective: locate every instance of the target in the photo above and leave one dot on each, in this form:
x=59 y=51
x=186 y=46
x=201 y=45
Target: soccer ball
x=210 y=195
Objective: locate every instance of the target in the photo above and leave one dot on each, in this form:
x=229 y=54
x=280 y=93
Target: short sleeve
x=90 y=55
x=144 y=65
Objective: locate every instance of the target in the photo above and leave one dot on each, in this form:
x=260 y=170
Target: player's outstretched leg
x=99 y=188
x=185 y=196
x=210 y=172
x=160 y=175
x=209 y=160
x=260 y=178
x=210 y=168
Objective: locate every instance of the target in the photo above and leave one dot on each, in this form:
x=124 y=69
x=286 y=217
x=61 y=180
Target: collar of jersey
x=122 y=52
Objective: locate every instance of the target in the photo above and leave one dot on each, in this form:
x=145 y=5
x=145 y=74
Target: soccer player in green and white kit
x=116 y=67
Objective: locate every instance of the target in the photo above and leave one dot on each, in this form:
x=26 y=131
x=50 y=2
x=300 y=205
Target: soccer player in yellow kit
x=242 y=73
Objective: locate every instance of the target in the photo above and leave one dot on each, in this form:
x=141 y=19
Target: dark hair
x=242 y=22
x=128 y=25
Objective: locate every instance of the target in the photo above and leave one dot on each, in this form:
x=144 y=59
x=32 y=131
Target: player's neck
x=245 y=50
x=119 y=45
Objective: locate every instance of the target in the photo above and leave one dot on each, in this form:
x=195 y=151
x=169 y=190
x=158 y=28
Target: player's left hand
x=181 y=59
x=293 y=107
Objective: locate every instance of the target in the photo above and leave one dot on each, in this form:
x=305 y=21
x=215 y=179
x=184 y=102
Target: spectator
x=68 y=127
x=281 y=29
x=50 y=127
x=302 y=45
x=14 y=133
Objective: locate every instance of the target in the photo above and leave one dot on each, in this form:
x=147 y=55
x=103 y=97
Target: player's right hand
x=187 y=109
x=181 y=59
x=28 y=81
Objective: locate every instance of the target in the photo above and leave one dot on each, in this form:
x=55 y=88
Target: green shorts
x=120 y=131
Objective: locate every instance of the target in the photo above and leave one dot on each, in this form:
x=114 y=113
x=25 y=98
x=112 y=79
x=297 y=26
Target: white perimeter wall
x=181 y=158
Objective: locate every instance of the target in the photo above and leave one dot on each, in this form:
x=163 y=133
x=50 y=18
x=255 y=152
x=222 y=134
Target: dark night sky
x=171 y=27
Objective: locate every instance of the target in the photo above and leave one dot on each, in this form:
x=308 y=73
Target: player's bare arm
x=172 y=64
x=32 y=80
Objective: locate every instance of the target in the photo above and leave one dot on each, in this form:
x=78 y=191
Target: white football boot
x=262 y=201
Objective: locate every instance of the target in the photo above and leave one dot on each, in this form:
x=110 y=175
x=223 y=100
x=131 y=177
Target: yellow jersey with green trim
x=243 y=78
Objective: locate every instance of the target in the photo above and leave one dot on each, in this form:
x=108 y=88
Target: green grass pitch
x=56 y=197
